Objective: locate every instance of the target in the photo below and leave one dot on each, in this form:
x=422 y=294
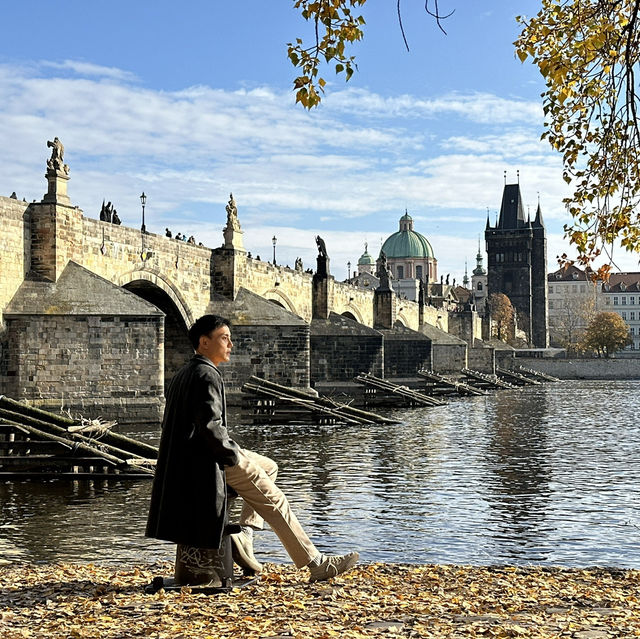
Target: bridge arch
x=178 y=318
x=353 y=313
x=280 y=298
x=172 y=292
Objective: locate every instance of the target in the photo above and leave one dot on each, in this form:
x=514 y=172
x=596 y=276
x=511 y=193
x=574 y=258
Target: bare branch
x=406 y=44
x=436 y=14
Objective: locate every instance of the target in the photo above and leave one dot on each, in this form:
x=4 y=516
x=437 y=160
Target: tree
x=588 y=52
x=572 y=319
x=606 y=334
x=335 y=27
x=502 y=315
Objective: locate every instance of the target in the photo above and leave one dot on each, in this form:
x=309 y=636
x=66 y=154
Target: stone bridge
x=71 y=331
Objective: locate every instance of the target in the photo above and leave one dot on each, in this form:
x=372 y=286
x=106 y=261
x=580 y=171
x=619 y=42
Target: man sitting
x=197 y=456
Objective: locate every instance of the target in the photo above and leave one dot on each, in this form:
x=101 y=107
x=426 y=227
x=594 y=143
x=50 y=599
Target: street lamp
x=349 y=271
x=274 y=240
x=143 y=200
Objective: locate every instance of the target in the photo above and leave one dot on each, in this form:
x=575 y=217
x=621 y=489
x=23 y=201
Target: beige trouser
x=253 y=478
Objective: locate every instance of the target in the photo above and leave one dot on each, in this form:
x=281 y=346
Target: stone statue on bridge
x=56 y=161
x=322 y=270
x=232 y=214
x=383 y=273
x=109 y=214
x=322 y=249
x=231 y=232
x=105 y=212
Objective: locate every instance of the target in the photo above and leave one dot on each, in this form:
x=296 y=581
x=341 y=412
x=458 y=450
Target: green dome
x=407 y=243
x=366 y=259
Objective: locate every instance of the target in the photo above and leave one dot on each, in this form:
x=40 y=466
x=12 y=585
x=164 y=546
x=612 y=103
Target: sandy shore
x=74 y=601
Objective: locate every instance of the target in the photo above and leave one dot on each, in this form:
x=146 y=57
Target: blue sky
x=191 y=101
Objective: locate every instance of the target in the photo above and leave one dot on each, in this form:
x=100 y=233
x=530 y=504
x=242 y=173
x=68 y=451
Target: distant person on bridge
x=197 y=457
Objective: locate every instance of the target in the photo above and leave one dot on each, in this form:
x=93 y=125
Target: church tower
x=479 y=282
x=517 y=264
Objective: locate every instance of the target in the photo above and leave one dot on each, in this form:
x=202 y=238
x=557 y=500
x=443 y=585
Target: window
x=632 y=315
x=583 y=288
x=607 y=301
x=624 y=316
x=400 y=272
x=632 y=300
x=550 y=289
x=419 y=272
x=632 y=331
x=550 y=305
x=623 y=299
x=479 y=287
x=615 y=300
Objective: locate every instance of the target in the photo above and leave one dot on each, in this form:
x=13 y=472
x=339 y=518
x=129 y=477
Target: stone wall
x=268 y=341
x=482 y=360
x=277 y=353
x=466 y=325
x=405 y=352
x=15 y=247
x=448 y=358
x=56 y=238
x=504 y=357
x=583 y=368
x=101 y=366
x=184 y=281
x=342 y=348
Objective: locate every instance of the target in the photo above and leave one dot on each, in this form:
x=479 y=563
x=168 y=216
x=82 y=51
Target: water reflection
x=542 y=475
x=518 y=471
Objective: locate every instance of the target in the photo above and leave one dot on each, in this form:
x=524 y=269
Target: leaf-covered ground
x=73 y=601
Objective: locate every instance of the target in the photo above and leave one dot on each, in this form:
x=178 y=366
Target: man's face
x=217 y=345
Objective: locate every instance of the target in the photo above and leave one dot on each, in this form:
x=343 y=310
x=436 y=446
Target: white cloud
x=346 y=171
x=481 y=108
x=89 y=69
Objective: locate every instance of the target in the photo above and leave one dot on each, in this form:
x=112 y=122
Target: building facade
x=621 y=294
x=573 y=300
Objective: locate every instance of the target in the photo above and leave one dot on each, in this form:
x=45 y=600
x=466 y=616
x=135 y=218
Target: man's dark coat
x=188 y=498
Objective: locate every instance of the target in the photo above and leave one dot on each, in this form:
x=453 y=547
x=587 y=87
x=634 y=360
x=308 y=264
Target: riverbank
x=90 y=601
x=615 y=368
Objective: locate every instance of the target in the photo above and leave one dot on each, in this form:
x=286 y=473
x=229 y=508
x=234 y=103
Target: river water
x=543 y=475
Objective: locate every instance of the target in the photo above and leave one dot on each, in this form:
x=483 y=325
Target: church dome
x=407 y=243
x=366 y=259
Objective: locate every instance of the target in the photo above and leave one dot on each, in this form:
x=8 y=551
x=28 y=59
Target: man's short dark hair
x=204 y=326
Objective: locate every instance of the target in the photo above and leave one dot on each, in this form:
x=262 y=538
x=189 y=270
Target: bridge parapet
x=121 y=255
x=286 y=286
x=408 y=313
x=352 y=300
